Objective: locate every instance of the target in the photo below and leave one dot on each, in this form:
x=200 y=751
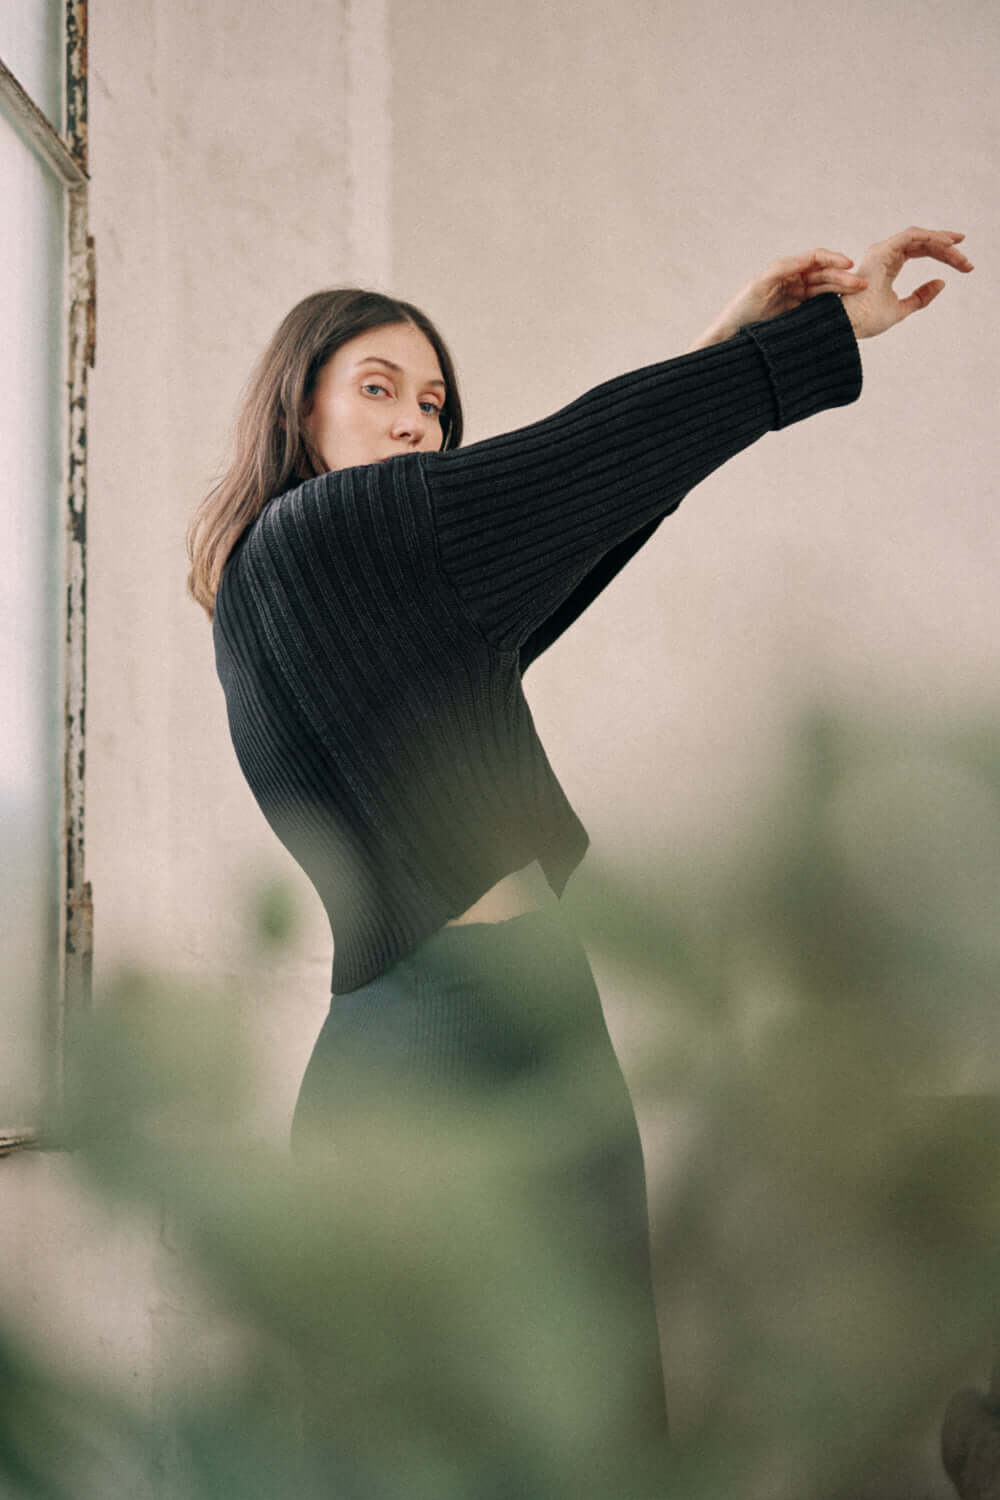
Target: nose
x=410 y=423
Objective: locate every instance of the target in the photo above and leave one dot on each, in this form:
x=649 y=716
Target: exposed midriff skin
x=521 y=891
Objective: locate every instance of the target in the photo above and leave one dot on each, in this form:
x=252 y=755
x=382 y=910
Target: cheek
x=335 y=421
x=354 y=415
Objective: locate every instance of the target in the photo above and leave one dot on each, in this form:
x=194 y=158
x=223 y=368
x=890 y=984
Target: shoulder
x=344 y=521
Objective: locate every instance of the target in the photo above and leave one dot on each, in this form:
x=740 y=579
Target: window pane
x=31 y=44
x=31 y=398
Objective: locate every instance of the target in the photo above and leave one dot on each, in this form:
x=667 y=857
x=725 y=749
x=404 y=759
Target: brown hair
x=271 y=449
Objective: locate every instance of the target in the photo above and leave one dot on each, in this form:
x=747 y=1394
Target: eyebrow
x=377 y=359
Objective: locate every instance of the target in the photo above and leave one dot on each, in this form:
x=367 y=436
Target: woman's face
x=379 y=395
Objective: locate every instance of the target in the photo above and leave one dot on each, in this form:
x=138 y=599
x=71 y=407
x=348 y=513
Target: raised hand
x=875 y=307
x=781 y=286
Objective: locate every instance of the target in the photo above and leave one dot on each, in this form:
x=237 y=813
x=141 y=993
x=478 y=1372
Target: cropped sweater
x=372 y=626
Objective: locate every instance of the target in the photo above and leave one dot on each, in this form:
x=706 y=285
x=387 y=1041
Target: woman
x=378 y=592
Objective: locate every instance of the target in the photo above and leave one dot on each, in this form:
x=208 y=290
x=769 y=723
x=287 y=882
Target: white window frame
x=64 y=153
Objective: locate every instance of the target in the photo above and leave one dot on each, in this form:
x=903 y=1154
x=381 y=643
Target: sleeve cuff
x=811 y=357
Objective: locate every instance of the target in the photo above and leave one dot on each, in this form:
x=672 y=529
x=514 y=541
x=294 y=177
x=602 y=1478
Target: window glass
x=31 y=441
x=31 y=44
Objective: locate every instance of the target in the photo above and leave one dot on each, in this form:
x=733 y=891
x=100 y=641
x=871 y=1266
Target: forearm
x=725 y=326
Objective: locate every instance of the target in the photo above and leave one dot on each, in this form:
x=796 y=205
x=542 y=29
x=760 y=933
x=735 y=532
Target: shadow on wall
x=820 y=1009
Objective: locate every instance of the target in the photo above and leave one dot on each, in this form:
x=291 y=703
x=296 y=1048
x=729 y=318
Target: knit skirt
x=472 y=1097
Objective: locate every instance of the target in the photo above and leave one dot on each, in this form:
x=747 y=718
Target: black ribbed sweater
x=372 y=625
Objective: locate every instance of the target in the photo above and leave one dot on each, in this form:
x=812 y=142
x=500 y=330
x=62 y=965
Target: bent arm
x=522 y=519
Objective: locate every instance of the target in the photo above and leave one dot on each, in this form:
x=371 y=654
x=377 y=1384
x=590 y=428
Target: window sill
x=17 y=1138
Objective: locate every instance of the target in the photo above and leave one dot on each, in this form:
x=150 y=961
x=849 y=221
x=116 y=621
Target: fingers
x=937 y=244
x=827 y=258
x=834 y=281
x=826 y=271
x=817 y=289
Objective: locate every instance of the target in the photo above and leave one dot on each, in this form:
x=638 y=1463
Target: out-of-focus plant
x=825 y=1025
x=819 y=1024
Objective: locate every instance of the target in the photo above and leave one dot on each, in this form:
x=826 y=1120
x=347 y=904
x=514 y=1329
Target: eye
x=431 y=408
x=372 y=385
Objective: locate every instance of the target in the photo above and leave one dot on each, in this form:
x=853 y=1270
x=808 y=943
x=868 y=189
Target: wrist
x=855 y=316
x=715 y=333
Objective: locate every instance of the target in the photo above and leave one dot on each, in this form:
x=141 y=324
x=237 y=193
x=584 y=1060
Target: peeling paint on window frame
x=66 y=155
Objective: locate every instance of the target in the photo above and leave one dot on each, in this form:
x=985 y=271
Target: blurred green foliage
x=819 y=1027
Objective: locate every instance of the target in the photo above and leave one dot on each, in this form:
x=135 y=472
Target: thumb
x=922 y=297
x=809 y=260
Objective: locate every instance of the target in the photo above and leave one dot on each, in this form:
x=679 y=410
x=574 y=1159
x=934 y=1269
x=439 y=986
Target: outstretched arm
x=522 y=519
x=783 y=285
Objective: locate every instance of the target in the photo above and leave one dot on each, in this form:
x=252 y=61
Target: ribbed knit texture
x=372 y=626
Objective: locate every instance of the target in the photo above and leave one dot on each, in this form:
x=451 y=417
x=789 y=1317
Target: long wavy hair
x=271 y=450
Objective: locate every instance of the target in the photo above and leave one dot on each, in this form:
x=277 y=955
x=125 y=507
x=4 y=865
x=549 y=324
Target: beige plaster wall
x=569 y=194
x=576 y=193
x=570 y=190
x=234 y=173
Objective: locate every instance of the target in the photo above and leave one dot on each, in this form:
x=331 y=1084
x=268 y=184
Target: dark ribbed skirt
x=487 y=1052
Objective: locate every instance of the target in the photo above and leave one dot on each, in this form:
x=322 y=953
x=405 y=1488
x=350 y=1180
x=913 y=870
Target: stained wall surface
x=568 y=196
x=228 y=190
x=577 y=192
x=570 y=191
